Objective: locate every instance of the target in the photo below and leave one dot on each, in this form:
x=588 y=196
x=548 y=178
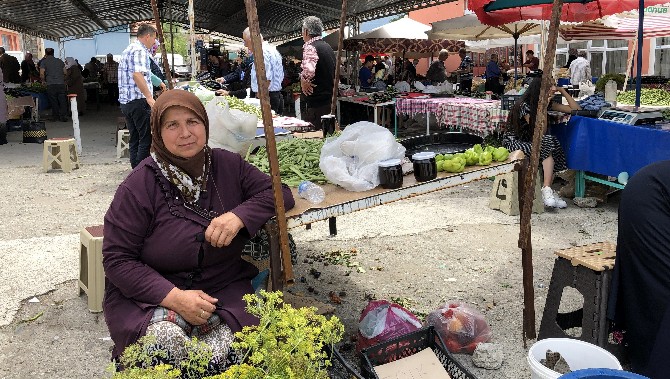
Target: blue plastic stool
x=601 y=373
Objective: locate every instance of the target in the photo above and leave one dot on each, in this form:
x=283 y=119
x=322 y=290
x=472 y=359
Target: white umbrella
x=403 y=28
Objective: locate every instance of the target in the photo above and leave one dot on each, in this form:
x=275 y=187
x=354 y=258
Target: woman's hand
x=194 y=306
x=223 y=229
x=222 y=92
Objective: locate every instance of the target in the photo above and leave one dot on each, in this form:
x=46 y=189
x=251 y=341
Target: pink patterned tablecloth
x=476 y=116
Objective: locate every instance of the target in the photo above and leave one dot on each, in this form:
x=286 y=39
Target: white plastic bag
x=351 y=159
x=586 y=88
x=230 y=129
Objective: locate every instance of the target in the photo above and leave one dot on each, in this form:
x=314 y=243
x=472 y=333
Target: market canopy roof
x=279 y=19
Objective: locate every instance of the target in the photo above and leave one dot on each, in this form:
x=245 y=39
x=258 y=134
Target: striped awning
x=617 y=27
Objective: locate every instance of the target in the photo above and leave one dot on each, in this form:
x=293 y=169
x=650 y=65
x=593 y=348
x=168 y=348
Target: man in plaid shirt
x=136 y=92
x=111 y=75
x=465 y=71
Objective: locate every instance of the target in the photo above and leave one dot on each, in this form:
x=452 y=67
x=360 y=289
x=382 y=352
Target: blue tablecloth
x=609 y=148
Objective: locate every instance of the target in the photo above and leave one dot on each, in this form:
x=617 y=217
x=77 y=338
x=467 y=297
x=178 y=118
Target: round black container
x=425 y=167
x=390 y=174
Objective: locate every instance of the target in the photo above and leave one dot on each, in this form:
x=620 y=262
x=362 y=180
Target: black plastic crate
x=508 y=101
x=407 y=345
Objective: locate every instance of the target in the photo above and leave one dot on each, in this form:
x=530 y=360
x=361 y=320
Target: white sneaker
x=560 y=203
x=548 y=197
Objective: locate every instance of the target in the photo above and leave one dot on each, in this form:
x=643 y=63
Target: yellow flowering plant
x=288 y=343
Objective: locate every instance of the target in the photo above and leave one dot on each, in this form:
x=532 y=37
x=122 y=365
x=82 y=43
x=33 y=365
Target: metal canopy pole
x=528 y=194
x=264 y=93
x=159 y=29
x=640 y=42
x=340 y=45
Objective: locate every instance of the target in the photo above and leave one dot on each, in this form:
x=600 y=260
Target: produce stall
x=609 y=148
x=340 y=201
x=377 y=107
x=476 y=116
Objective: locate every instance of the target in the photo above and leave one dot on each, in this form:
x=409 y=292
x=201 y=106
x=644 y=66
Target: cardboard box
x=16 y=106
x=422 y=365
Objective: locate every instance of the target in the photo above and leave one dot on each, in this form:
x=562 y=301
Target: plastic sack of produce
x=461 y=327
x=350 y=160
x=381 y=321
x=230 y=129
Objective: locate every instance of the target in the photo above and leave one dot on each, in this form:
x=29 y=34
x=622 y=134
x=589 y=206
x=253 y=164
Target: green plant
x=288 y=343
x=138 y=358
x=618 y=78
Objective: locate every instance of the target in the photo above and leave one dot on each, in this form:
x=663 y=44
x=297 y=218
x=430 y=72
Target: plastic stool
x=60 y=154
x=505 y=194
x=123 y=143
x=91 y=273
x=587 y=269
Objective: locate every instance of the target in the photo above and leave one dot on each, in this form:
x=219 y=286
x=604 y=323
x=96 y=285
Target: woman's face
x=183 y=132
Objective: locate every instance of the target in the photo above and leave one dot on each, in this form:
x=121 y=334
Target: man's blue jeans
x=138 y=116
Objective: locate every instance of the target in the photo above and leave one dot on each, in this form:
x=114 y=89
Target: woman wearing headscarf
x=75 y=83
x=174 y=234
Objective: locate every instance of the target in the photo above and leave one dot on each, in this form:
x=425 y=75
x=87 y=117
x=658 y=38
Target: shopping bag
x=34 y=132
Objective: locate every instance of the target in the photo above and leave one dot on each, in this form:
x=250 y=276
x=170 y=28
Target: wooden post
x=191 y=35
x=340 y=43
x=159 y=29
x=270 y=145
x=530 y=176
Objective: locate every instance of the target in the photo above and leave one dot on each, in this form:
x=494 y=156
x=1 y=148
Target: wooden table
x=340 y=202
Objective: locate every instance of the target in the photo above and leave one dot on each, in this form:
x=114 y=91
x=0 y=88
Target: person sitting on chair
x=521 y=123
x=174 y=235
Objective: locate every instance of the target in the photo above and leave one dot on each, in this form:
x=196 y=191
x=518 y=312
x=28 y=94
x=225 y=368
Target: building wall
x=434 y=14
x=10 y=40
x=83 y=49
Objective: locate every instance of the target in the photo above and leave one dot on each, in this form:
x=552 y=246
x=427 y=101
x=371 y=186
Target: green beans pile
x=239 y=104
x=298 y=160
x=648 y=96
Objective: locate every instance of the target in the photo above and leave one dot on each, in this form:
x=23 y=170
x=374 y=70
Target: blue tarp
x=609 y=148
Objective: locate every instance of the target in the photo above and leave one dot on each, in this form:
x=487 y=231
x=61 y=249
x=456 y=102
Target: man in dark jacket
x=10 y=67
x=318 y=71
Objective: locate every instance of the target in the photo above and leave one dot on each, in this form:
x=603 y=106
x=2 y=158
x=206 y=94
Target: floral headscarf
x=188 y=174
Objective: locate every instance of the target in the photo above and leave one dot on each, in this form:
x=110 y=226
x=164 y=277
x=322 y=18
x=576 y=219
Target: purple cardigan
x=151 y=244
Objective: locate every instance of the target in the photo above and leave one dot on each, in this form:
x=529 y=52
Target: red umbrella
x=495 y=14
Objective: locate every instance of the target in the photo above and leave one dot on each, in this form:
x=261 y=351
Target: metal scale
x=630 y=116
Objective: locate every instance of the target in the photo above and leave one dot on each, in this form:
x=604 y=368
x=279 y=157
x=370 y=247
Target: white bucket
x=578 y=354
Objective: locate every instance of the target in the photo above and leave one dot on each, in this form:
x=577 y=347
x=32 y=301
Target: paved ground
x=424 y=251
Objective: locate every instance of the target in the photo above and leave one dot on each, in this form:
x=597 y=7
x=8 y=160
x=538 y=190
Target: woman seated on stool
x=639 y=299
x=174 y=234
x=519 y=135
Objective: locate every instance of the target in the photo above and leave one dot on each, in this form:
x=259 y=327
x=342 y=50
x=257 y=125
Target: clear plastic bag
x=461 y=327
x=350 y=160
x=381 y=321
x=586 y=88
x=230 y=129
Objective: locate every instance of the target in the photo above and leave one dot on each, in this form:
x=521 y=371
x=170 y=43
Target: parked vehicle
x=180 y=69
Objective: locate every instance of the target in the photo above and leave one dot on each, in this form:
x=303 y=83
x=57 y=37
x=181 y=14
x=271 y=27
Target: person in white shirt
x=580 y=69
